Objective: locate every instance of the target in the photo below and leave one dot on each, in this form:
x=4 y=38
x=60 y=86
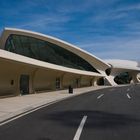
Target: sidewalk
x=14 y=106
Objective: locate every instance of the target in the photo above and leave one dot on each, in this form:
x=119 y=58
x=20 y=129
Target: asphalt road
x=106 y=114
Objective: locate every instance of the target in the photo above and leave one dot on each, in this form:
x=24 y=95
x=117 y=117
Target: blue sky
x=109 y=29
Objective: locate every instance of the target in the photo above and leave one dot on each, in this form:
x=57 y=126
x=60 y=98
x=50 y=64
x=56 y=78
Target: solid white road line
x=80 y=128
x=100 y=96
x=128 y=96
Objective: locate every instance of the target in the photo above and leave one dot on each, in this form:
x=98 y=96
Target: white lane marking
x=80 y=128
x=128 y=96
x=100 y=96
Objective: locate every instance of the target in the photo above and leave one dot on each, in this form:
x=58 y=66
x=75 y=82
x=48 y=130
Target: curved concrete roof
x=93 y=60
x=40 y=64
x=124 y=64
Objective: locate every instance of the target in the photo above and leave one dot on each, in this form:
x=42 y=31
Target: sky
x=109 y=29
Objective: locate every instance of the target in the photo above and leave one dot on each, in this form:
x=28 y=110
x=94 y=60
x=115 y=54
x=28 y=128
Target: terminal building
x=32 y=62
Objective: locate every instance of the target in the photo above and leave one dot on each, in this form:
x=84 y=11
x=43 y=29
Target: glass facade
x=46 y=51
x=123 y=78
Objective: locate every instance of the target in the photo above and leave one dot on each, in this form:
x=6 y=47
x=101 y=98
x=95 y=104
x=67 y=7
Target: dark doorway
x=58 y=83
x=24 y=84
x=100 y=81
x=77 y=83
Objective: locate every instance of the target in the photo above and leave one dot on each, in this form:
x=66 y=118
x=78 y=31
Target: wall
x=8 y=78
x=45 y=79
x=40 y=79
x=10 y=73
x=70 y=80
x=85 y=81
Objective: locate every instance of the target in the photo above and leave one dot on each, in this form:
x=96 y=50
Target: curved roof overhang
x=119 y=66
x=124 y=64
x=40 y=64
x=93 y=60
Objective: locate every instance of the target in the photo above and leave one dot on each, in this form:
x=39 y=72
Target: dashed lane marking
x=100 y=96
x=128 y=96
x=80 y=128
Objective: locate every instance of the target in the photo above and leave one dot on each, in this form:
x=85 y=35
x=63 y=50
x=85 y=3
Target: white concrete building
x=31 y=62
x=125 y=68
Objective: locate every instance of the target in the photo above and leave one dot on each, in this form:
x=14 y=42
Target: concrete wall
x=40 y=79
x=70 y=79
x=10 y=73
x=8 y=78
x=46 y=79
x=6 y=86
x=85 y=81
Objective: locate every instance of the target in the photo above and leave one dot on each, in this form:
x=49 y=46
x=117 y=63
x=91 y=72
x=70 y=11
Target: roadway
x=106 y=114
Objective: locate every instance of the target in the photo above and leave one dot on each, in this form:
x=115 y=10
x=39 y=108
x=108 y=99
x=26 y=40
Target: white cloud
x=119 y=54
x=96 y=36
x=45 y=22
x=129 y=7
x=118 y=48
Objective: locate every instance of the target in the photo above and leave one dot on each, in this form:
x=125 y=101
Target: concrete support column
x=95 y=79
x=78 y=82
x=110 y=80
x=33 y=79
x=62 y=78
x=135 y=77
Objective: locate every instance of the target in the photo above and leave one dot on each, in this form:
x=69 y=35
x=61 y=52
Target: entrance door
x=24 y=84
x=58 y=83
x=100 y=81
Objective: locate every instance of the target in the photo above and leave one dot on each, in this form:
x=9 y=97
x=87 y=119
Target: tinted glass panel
x=46 y=51
x=123 y=78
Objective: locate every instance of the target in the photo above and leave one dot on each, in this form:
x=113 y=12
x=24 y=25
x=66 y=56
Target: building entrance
x=24 y=84
x=58 y=83
x=100 y=81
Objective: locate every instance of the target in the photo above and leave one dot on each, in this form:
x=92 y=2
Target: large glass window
x=46 y=51
x=123 y=78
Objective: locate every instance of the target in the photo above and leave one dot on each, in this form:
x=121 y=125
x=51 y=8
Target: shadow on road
x=95 y=120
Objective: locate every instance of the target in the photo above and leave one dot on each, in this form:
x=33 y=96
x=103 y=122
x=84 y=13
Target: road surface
x=106 y=114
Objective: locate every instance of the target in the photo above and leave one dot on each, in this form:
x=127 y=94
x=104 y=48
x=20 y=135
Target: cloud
x=126 y=8
x=108 y=29
x=44 y=20
x=119 y=54
x=114 y=47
